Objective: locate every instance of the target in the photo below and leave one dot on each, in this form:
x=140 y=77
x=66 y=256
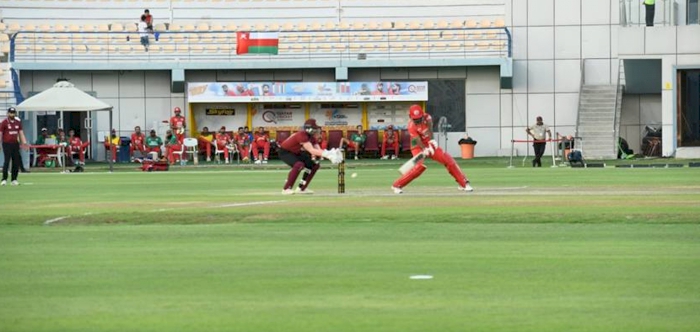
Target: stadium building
x=590 y=68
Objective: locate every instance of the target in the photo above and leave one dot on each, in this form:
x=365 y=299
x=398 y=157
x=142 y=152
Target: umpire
x=12 y=135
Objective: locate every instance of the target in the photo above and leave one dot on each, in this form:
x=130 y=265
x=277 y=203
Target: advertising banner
x=246 y=92
x=279 y=116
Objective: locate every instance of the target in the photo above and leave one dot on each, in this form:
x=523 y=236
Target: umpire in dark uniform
x=12 y=135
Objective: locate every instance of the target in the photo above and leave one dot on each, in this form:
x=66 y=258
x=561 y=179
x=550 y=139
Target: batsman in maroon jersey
x=297 y=151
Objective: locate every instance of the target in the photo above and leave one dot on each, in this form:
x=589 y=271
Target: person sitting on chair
x=242 y=140
x=205 y=138
x=76 y=147
x=261 y=141
x=356 y=142
x=153 y=144
x=391 y=140
x=112 y=143
x=172 y=145
x=223 y=143
x=137 y=143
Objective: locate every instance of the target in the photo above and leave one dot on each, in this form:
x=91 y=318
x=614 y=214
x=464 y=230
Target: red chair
x=334 y=137
x=282 y=135
x=372 y=142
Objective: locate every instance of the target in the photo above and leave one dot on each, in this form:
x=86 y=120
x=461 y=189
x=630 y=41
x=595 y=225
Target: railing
x=633 y=13
x=617 y=102
x=299 y=45
x=580 y=92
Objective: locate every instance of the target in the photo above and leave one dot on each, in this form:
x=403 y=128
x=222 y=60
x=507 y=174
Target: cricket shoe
x=288 y=192
x=385 y=157
x=264 y=161
x=302 y=192
x=258 y=162
x=394 y=158
x=15 y=183
x=467 y=188
x=3 y=183
x=397 y=190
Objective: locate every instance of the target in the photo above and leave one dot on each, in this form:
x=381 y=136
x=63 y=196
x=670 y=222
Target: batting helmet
x=415 y=112
x=177 y=110
x=310 y=125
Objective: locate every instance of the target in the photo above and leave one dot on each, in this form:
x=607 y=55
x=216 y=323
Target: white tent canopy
x=64 y=96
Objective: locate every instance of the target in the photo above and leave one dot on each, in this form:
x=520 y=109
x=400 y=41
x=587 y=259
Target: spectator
x=261 y=141
x=153 y=144
x=137 y=143
x=391 y=139
x=356 y=141
x=243 y=144
x=76 y=146
x=650 y=11
x=13 y=139
x=143 y=32
x=205 y=140
x=148 y=19
x=178 y=125
x=43 y=152
x=223 y=143
x=172 y=145
x=537 y=132
x=250 y=134
x=61 y=138
x=112 y=143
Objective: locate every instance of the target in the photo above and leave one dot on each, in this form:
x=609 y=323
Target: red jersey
x=222 y=139
x=137 y=140
x=422 y=131
x=75 y=141
x=390 y=136
x=261 y=137
x=293 y=143
x=242 y=139
x=177 y=122
x=10 y=130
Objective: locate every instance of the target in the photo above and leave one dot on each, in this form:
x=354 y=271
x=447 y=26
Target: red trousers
x=171 y=149
x=79 y=150
x=441 y=157
x=257 y=145
x=139 y=147
x=205 y=146
x=220 y=146
x=394 y=144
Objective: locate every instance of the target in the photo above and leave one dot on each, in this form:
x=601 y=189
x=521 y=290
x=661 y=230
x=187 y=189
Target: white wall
x=639 y=111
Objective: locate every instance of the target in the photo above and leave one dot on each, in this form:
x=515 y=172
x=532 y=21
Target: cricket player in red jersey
x=242 y=140
x=391 y=139
x=222 y=142
x=177 y=124
x=172 y=145
x=138 y=140
x=261 y=140
x=297 y=151
x=420 y=129
x=76 y=146
x=12 y=137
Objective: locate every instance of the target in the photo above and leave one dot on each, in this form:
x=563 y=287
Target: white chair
x=191 y=145
x=181 y=154
x=217 y=152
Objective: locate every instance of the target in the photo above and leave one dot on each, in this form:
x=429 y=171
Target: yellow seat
x=438 y=46
x=30 y=27
x=65 y=49
x=189 y=27
x=429 y=24
x=231 y=27
x=217 y=27
x=345 y=25
x=211 y=48
x=316 y=26
x=442 y=24
x=330 y=25
x=80 y=49
x=483 y=45
x=400 y=25
x=183 y=48
x=13 y=27
x=499 y=23
x=103 y=28
x=197 y=48
x=160 y=27
x=124 y=49
x=485 y=23
x=131 y=27
x=454 y=46
x=95 y=49
x=260 y=27
x=117 y=27
x=202 y=27
x=168 y=48
x=175 y=27
x=288 y=27
x=206 y=38
x=220 y=37
x=273 y=27
x=88 y=28
x=387 y=25
x=244 y=27
x=414 y=25
x=471 y=24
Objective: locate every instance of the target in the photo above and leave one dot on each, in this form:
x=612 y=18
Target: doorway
x=689 y=108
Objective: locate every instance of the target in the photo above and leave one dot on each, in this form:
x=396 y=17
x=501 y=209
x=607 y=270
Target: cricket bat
x=407 y=166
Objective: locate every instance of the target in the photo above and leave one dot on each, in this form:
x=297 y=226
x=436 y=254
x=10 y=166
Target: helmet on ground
x=415 y=112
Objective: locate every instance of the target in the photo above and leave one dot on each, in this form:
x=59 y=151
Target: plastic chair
x=334 y=137
x=372 y=142
x=191 y=145
x=282 y=135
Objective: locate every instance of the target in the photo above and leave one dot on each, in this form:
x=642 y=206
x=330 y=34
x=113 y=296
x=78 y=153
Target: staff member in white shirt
x=537 y=132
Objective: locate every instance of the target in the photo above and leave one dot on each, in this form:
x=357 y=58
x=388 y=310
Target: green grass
x=530 y=250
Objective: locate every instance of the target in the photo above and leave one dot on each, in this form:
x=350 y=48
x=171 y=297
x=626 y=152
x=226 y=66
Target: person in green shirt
x=41 y=140
x=356 y=141
x=153 y=143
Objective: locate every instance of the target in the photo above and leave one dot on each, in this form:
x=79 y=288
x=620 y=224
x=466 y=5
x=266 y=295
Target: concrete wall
x=638 y=111
x=677 y=48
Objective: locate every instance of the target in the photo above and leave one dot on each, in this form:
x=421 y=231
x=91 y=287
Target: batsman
x=424 y=146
